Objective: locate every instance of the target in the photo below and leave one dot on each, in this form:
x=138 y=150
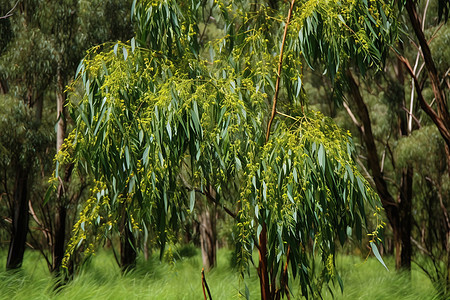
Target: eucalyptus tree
x=162 y=107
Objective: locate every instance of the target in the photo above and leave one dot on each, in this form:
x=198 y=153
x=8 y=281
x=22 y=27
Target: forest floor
x=101 y=279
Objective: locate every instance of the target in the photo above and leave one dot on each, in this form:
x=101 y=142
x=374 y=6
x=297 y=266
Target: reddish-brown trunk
x=262 y=268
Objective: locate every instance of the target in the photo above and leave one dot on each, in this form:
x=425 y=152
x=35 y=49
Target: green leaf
x=125 y=53
x=377 y=254
x=361 y=187
x=350 y=173
x=321 y=155
x=169 y=130
x=145 y=155
x=133 y=44
x=191 y=200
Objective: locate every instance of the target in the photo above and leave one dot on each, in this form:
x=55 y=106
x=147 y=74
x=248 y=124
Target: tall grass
x=160 y=280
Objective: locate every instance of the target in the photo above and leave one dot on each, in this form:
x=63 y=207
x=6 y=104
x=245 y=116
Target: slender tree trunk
x=59 y=231
x=398 y=214
x=3 y=86
x=208 y=237
x=405 y=209
x=59 y=238
x=128 y=252
x=60 y=111
x=262 y=267
x=20 y=220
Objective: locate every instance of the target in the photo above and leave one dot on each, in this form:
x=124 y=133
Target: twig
x=9 y=13
x=352 y=116
x=204 y=284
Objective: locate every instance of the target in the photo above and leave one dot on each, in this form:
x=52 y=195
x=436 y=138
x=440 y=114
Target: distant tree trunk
x=3 y=86
x=19 y=220
x=207 y=219
x=398 y=213
x=405 y=210
x=128 y=252
x=60 y=111
x=59 y=231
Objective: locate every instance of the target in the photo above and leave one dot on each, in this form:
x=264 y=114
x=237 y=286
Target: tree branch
x=10 y=12
x=442 y=109
x=438 y=121
x=280 y=65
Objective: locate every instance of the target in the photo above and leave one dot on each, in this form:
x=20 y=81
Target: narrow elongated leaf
x=191 y=200
x=377 y=254
x=125 y=53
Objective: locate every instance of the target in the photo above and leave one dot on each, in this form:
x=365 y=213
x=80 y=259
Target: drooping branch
x=268 y=289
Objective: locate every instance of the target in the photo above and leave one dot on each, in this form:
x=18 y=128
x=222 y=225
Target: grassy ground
x=155 y=280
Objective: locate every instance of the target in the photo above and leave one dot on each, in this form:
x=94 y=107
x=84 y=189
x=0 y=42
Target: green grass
x=159 y=280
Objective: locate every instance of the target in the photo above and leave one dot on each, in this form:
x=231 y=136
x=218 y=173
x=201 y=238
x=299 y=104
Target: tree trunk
x=20 y=220
x=405 y=209
x=59 y=231
x=59 y=238
x=398 y=214
x=3 y=86
x=128 y=252
x=207 y=219
x=60 y=111
x=263 y=272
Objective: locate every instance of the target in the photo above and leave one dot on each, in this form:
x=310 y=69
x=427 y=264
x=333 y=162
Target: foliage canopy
x=172 y=113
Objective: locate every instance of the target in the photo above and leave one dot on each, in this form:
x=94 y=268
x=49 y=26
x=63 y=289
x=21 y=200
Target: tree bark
x=60 y=219
x=405 y=209
x=262 y=267
x=20 y=220
x=208 y=235
x=59 y=230
x=60 y=111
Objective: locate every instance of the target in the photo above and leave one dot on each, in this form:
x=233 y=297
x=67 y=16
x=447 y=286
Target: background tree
x=52 y=39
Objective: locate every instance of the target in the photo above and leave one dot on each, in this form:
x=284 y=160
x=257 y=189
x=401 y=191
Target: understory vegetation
x=155 y=279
